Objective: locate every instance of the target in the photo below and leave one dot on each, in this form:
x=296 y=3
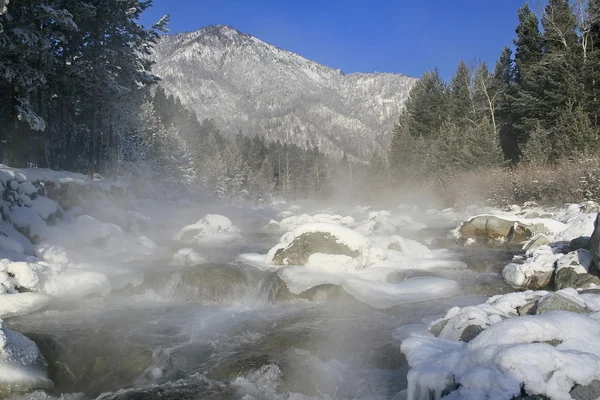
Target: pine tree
x=427 y=106
x=461 y=103
x=265 y=179
x=538 y=147
x=563 y=60
x=502 y=87
x=528 y=106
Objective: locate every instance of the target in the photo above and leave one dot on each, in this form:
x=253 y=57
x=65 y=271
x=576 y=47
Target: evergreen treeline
x=242 y=168
x=77 y=93
x=71 y=77
x=538 y=105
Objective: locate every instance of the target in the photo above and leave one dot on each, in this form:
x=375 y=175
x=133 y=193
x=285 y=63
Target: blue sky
x=402 y=36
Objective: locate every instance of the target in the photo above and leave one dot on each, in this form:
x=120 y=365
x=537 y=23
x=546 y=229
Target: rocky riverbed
x=106 y=296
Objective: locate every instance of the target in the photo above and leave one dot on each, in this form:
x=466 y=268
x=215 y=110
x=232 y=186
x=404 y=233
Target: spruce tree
x=461 y=104
x=528 y=106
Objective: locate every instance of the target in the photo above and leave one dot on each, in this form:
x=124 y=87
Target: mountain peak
x=247 y=85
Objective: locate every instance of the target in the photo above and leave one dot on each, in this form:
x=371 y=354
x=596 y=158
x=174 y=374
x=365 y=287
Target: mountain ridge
x=251 y=87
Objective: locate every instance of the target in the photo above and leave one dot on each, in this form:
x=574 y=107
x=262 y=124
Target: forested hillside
x=538 y=105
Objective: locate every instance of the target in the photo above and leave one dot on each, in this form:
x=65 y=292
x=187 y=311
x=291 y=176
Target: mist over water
x=223 y=329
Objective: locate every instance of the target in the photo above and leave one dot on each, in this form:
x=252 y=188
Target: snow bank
x=543 y=354
x=507 y=347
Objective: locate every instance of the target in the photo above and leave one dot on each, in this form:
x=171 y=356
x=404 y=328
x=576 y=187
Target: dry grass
x=552 y=185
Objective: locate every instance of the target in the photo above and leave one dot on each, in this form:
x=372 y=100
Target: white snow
x=506 y=356
x=292 y=222
x=186 y=257
x=369 y=254
x=22 y=303
x=377 y=294
x=212 y=227
x=540 y=261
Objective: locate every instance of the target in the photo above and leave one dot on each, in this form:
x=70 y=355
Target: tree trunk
x=93 y=133
x=62 y=158
x=116 y=160
x=15 y=156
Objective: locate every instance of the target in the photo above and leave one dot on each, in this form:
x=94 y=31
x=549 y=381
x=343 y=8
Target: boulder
x=572 y=271
x=495 y=230
x=556 y=301
x=587 y=392
x=77 y=364
x=581 y=242
x=535 y=242
x=212 y=283
x=532 y=273
x=310 y=243
x=595 y=242
x=326 y=292
x=590 y=207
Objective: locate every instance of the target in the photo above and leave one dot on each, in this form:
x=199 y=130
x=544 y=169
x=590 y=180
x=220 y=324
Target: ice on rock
x=77 y=283
x=21 y=365
x=577 y=225
x=542 y=354
x=211 y=227
x=44 y=207
x=28 y=219
x=374 y=292
x=22 y=303
x=407 y=247
x=186 y=257
x=52 y=253
x=27 y=188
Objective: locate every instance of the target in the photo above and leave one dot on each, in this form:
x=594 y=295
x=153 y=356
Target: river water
x=229 y=331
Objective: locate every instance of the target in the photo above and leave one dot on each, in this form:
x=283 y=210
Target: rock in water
x=209 y=283
x=310 y=243
x=494 y=230
x=581 y=242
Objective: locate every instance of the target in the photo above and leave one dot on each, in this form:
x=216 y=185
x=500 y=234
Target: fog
x=135 y=316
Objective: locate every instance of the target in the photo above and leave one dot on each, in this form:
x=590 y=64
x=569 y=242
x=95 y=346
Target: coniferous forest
x=78 y=93
x=538 y=105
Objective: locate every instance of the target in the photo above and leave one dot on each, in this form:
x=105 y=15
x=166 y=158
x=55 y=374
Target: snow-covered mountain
x=252 y=87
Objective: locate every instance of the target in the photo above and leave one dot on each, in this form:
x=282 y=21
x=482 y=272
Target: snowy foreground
x=67 y=241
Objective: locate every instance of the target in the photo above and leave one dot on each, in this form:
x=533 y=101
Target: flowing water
x=227 y=331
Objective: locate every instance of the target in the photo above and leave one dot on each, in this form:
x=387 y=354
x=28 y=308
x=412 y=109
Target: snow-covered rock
x=21 y=364
x=210 y=227
x=572 y=271
x=298 y=245
x=407 y=247
x=186 y=257
x=533 y=272
x=545 y=354
x=294 y=221
x=498 y=229
x=512 y=346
